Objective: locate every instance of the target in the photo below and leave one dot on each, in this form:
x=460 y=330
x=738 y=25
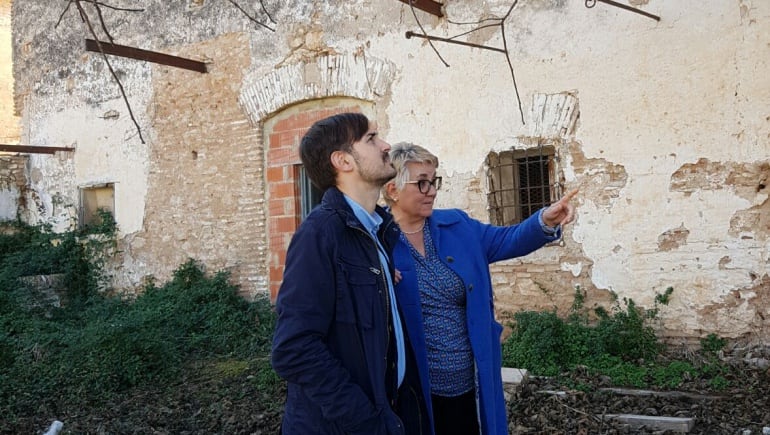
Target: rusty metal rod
x=592 y=3
x=146 y=55
x=32 y=149
x=410 y=34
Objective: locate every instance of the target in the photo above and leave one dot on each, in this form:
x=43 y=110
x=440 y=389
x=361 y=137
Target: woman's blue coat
x=468 y=247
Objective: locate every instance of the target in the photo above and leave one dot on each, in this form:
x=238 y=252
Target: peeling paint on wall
x=306 y=42
x=744 y=312
x=748 y=181
x=13 y=186
x=600 y=180
x=673 y=238
x=671 y=189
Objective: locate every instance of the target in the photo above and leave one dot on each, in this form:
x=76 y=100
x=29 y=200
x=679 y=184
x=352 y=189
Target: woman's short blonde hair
x=401 y=154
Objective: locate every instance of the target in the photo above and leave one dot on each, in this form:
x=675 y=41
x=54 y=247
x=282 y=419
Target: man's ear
x=342 y=161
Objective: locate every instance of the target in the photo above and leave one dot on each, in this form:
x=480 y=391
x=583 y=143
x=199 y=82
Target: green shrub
x=107 y=346
x=712 y=344
x=546 y=344
x=620 y=345
x=625 y=333
x=673 y=374
x=718 y=383
x=36 y=250
x=536 y=343
x=621 y=372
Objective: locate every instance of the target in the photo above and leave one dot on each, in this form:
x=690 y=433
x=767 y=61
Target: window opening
x=92 y=200
x=310 y=195
x=521 y=182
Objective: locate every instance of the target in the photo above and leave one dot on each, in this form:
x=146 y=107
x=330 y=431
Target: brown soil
x=545 y=406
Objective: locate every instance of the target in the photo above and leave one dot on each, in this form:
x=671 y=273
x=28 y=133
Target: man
x=339 y=341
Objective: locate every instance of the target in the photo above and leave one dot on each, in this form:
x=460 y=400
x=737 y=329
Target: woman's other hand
x=397 y=277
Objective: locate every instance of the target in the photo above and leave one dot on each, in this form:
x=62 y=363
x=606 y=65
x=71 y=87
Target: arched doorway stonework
x=283 y=105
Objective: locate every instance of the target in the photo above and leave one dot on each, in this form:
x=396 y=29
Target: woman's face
x=411 y=201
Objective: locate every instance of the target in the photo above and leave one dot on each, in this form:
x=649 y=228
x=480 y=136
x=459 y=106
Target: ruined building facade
x=664 y=125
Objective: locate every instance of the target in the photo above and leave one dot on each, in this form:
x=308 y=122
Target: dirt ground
x=543 y=406
x=580 y=405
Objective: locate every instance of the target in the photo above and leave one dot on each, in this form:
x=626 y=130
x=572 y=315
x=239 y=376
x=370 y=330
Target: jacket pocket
x=358 y=295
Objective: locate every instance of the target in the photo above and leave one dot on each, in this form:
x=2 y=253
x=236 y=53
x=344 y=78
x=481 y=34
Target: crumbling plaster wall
x=654 y=98
x=184 y=192
x=67 y=99
x=9 y=121
x=195 y=188
x=13 y=183
x=663 y=106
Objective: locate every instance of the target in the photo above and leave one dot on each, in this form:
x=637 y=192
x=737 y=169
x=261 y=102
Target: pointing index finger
x=571 y=194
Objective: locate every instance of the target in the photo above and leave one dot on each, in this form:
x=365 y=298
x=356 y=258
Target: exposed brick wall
x=283 y=187
x=206 y=182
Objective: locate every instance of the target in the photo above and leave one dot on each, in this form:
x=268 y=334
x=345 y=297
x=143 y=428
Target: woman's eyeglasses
x=424 y=185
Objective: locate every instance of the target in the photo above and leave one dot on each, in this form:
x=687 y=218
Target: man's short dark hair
x=337 y=132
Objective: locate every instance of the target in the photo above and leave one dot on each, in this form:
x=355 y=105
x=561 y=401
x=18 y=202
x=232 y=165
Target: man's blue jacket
x=332 y=334
x=468 y=247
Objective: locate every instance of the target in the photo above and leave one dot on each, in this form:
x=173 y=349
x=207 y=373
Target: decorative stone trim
x=554 y=116
x=349 y=75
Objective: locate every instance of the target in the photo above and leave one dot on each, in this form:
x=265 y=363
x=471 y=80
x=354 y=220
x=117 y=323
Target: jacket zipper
x=388 y=313
x=386 y=296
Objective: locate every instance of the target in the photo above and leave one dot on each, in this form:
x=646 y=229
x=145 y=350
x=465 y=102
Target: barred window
x=521 y=182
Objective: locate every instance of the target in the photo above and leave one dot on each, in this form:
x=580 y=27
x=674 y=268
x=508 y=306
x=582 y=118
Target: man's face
x=372 y=158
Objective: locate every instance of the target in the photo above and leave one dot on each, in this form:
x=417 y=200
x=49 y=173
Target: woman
x=446 y=295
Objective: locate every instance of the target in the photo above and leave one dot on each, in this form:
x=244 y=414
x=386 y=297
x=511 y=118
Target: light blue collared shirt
x=372 y=223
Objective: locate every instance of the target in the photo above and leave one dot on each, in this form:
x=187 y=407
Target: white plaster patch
x=575 y=269
x=759 y=199
x=105 y=152
x=8 y=204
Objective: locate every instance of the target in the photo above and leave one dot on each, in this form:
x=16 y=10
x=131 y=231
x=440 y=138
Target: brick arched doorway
x=284 y=103
x=284 y=175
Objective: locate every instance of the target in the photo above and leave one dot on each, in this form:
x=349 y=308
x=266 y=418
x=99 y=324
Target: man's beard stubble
x=370 y=176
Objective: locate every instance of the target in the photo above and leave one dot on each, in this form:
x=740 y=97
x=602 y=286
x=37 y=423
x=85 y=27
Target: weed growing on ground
x=621 y=345
x=97 y=347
